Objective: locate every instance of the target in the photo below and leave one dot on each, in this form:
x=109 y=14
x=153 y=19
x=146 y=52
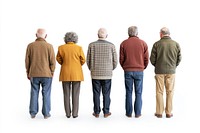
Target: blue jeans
x=135 y=78
x=105 y=86
x=45 y=82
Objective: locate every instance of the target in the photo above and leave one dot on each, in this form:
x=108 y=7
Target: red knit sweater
x=134 y=54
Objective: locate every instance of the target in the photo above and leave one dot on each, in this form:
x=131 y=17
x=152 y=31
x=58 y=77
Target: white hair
x=41 y=33
x=102 y=33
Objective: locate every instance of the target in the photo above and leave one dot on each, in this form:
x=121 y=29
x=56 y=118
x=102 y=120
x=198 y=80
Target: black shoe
x=75 y=116
x=68 y=116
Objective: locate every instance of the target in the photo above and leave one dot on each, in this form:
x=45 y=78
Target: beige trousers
x=74 y=89
x=166 y=81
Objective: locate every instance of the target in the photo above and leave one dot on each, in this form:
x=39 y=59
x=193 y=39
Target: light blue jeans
x=45 y=82
x=136 y=79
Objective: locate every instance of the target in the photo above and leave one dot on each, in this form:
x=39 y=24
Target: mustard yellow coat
x=71 y=58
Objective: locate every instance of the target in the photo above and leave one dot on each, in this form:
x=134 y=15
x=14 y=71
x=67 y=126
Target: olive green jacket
x=165 y=55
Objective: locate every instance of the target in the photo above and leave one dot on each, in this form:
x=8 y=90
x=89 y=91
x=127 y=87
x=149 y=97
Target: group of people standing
x=101 y=60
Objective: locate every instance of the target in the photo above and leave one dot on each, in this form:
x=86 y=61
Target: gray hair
x=71 y=37
x=164 y=31
x=132 y=31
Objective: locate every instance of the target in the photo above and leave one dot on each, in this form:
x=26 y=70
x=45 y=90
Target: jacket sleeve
x=146 y=56
x=114 y=57
x=52 y=61
x=88 y=58
x=82 y=57
x=27 y=60
x=59 y=57
x=153 y=55
x=121 y=55
x=179 y=57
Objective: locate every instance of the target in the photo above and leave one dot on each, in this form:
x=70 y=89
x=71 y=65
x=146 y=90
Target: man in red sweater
x=134 y=58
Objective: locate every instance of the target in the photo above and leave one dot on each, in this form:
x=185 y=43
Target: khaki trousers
x=166 y=81
x=75 y=87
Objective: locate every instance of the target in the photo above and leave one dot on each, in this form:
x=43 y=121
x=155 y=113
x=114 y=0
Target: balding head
x=164 y=31
x=41 y=33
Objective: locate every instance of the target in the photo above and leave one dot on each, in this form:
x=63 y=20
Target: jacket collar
x=70 y=43
x=40 y=39
x=166 y=37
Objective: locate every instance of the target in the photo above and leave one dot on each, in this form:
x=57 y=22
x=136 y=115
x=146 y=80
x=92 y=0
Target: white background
x=19 y=22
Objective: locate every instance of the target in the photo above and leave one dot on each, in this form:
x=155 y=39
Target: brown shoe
x=106 y=115
x=129 y=116
x=158 y=115
x=137 y=116
x=46 y=117
x=32 y=116
x=95 y=115
x=169 y=115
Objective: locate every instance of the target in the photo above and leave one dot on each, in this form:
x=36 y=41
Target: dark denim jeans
x=135 y=78
x=45 y=82
x=105 y=86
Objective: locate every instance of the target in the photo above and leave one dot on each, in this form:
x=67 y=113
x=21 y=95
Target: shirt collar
x=102 y=39
x=133 y=36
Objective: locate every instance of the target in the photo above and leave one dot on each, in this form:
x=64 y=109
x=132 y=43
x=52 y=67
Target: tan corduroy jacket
x=71 y=58
x=40 y=59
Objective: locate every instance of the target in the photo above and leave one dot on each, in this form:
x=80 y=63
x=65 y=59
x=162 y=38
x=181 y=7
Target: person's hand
x=28 y=77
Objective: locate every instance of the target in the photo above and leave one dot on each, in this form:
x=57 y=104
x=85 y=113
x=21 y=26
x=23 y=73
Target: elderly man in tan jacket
x=71 y=58
x=40 y=65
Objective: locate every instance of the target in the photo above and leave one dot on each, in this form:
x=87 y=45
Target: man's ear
x=46 y=36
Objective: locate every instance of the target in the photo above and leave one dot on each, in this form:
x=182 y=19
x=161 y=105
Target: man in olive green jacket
x=165 y=56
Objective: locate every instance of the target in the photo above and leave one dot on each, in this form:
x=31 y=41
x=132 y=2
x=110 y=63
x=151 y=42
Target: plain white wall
x=19 y=20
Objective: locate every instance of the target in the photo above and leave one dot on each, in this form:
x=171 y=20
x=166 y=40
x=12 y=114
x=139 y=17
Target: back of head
x=164 y=31
x=102 y=33
x=71 y=37
x=41 y=33
x=132 y=31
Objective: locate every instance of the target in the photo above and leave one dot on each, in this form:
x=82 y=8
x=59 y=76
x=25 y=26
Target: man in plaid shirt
x=101 y=61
